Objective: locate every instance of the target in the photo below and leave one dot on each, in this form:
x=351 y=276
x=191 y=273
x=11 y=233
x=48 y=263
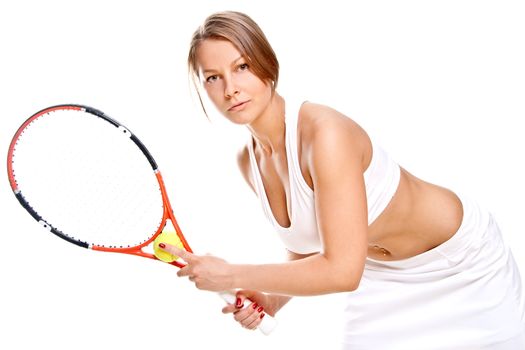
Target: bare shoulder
x=243 y=161
x=324 y=126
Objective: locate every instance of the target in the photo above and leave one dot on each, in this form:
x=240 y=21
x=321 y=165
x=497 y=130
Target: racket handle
x=268 y=323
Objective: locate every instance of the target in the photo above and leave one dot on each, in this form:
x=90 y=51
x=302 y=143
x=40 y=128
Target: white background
x=440 y=84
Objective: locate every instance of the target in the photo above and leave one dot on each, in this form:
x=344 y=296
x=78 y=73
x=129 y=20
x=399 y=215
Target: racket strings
x=88 y=179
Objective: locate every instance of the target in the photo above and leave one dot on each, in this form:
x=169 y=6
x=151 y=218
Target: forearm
x=278 y=300
x=314 y=275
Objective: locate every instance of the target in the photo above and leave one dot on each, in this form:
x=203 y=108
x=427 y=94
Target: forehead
x=213 y=52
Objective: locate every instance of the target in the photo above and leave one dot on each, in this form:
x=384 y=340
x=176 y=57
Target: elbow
x=347 y=281
x=348 y=285
x=342 y=275
x=353 y=285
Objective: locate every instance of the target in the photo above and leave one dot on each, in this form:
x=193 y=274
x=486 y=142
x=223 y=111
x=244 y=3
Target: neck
x=268 y=129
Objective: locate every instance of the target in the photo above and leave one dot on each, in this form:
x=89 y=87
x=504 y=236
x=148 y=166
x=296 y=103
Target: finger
x=256 y=317
x=248 y=314
x=255 y=323
x=240 y=299
x=244 y=317
x=173 y=250
x=257 y=308
x=228 y=309
x=252 y=318
x=233 y=307
x=184 y=271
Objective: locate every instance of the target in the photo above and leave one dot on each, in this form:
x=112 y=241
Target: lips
x=238 y=106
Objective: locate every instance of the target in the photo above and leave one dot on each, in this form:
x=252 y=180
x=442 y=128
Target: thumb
x=243 y=295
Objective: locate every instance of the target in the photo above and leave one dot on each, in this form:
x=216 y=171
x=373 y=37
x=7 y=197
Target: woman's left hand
x=206 y=271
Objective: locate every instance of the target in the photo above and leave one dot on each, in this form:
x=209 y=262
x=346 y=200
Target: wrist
x=275 y=302
x=280 y=301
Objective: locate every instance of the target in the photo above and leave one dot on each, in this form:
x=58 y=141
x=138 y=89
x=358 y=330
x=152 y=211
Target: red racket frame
x=134 y=250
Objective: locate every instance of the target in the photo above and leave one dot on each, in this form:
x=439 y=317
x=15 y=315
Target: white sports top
x=302 y=236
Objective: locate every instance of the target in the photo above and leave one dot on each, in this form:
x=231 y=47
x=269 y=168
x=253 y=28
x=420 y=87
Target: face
x=235 y=91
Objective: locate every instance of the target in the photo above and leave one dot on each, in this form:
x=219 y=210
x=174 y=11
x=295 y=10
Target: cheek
x=256 y=84
x=265 y=91
x=255 y=87
x=214 y=93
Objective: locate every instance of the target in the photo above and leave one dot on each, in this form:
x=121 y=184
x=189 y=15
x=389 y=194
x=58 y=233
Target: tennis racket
x=90 y=181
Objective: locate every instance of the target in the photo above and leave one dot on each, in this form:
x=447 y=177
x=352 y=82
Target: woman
x=423 y=268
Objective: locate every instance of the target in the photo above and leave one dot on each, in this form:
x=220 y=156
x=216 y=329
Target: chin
x=243 y=117
x=239 y=119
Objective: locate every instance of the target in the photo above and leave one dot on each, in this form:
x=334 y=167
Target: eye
x=211 y=79
x=243 y=66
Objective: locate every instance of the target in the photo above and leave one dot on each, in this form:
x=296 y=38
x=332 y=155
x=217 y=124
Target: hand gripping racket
x=86 y=178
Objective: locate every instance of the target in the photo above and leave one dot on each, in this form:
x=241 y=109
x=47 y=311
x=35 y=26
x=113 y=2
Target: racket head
x=87 y=179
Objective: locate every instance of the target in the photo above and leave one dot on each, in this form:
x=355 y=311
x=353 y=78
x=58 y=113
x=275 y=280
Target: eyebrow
x=233 y=62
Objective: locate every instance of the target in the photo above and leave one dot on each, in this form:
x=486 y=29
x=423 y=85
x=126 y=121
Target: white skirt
x=464 y=294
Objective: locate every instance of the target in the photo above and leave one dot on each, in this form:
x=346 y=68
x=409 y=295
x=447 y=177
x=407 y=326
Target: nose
x=230 y=88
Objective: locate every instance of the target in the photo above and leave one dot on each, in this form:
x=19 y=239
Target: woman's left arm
x=335 y=157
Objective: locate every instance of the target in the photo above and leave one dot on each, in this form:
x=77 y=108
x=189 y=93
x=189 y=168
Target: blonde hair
x=239 y=29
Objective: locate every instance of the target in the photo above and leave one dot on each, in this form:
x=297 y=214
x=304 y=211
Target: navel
x=380 y=250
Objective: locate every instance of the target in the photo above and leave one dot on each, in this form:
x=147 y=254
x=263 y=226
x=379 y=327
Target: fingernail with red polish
x=262 y=315
x=255 y=306
x=260 y=309
x=162 y=245
x=238 y=303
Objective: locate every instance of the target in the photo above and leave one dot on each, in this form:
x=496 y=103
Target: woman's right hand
x=250 y=307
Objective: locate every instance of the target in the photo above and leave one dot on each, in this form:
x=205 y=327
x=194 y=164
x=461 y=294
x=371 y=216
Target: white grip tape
x=268 y=323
